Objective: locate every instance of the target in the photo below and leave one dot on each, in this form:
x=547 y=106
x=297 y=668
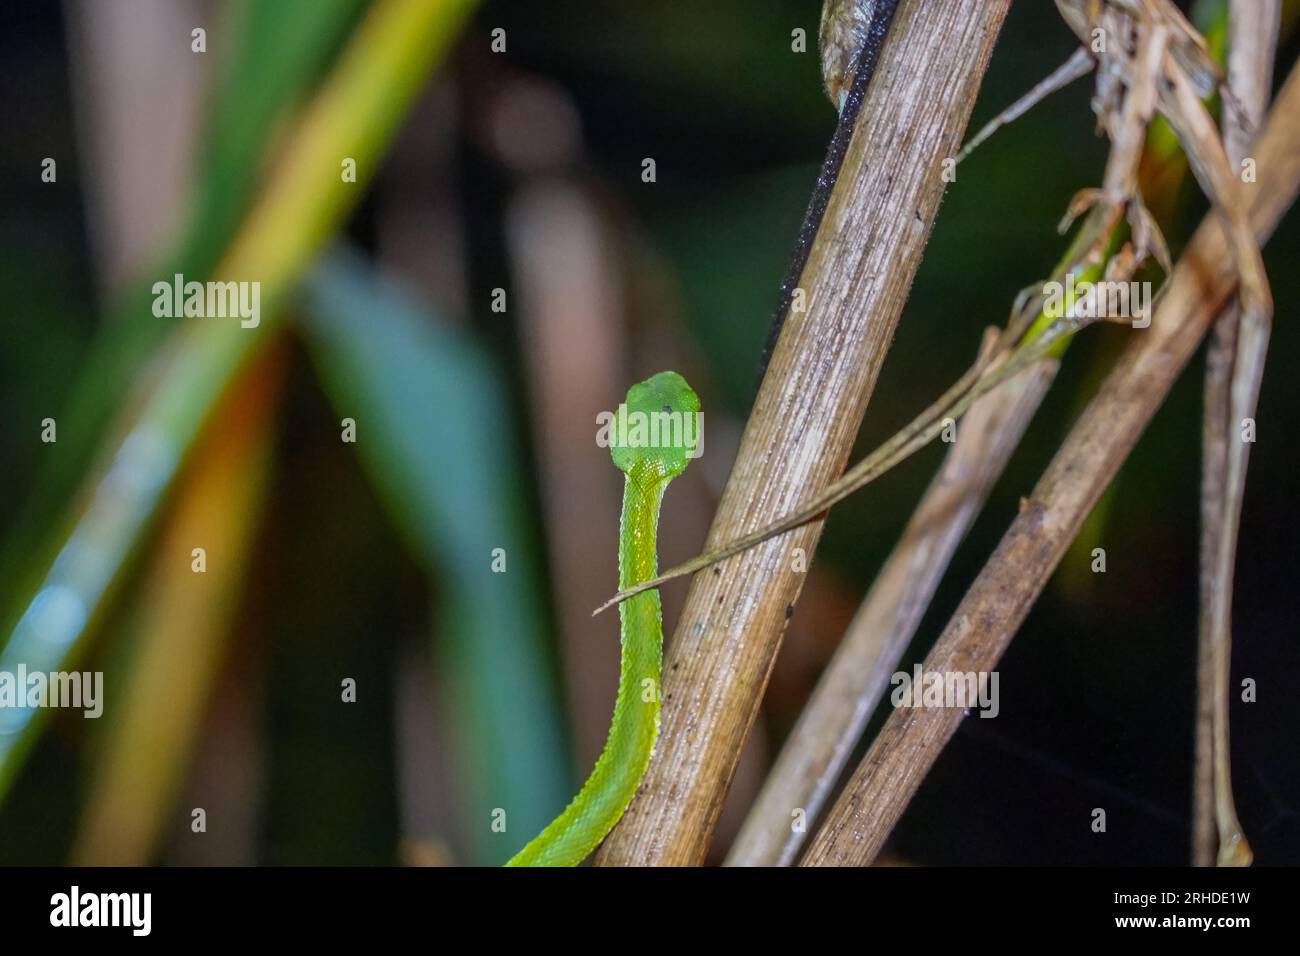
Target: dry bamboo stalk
x=830 y=726
x=856 y=279
x=1252 y=34
x=1011 y=581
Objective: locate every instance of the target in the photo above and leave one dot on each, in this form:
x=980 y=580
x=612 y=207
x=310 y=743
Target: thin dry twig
x=1000 y=598
x=855 y=680
x=856 y=279
x=1003 y=356
x=818 y=747
x=1234 y=367
x=1078 y=65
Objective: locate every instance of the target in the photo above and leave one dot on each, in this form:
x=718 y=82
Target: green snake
x=648 y=468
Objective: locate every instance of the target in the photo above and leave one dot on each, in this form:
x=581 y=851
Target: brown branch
x=817 y=749
x=1216 y=833
x=806 y=416
x=998 y=601
x=852 y=685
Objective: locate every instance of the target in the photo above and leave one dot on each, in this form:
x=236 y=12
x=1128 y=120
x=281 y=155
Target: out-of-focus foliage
x=442 y=448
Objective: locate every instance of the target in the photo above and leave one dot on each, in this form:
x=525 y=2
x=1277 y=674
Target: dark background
x=1098 y=688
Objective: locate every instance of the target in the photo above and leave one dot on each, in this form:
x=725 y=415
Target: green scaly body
x=589 y=817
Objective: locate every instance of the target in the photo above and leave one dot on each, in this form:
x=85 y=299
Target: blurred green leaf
x=435 y=434
x=303 y=201
x=279 y=50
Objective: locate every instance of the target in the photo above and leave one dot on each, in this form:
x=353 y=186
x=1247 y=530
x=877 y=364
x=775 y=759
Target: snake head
x=658 y=427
